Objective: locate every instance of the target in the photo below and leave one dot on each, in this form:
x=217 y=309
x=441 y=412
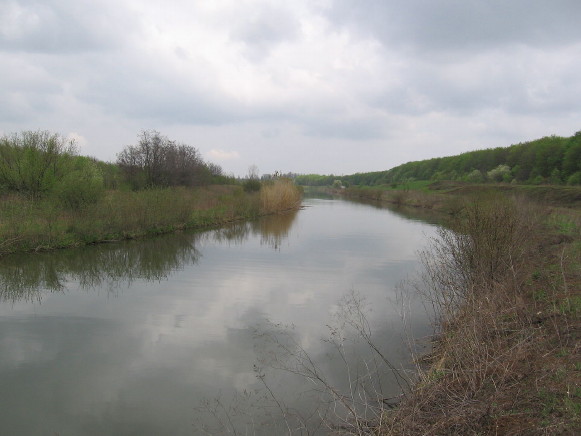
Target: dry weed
x=495 y=368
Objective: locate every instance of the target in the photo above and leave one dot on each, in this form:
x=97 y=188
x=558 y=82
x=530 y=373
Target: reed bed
x=34 y=225
x=279 y=196
x=42 y=224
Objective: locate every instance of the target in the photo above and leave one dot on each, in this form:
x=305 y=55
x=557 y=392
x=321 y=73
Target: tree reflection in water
x=111 y=266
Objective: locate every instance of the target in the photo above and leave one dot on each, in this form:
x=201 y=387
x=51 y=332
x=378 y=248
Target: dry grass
x=506 y=292
x=402 y=197
x=281 y=195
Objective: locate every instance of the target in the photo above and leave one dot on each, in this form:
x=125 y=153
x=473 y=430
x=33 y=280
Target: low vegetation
x=504 y=282
x=445 y=196
x=53 y=198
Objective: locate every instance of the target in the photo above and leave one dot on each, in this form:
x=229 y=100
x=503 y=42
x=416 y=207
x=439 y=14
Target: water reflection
x=190 y=318
x=272 y=230
x=112 y=266
x=106 y=266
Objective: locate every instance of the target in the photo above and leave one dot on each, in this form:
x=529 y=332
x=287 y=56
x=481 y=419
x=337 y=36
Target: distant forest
x=549 y=160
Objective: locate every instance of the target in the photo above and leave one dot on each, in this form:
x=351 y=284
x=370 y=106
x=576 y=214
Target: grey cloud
x=264 y=30
x=65 y=26
x=151 y=95
x=516 y=81
x=429 y=90
x=461 y=25
x=342 y=127
x=27 y=89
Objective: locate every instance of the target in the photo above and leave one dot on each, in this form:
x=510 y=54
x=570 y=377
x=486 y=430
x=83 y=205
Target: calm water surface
x=166 y=336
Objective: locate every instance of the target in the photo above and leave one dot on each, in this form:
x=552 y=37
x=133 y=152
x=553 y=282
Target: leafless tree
x=158 y=161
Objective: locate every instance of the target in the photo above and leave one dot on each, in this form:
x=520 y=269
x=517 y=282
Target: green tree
x=32 y=162
x=475 y=176
x=572 y=156
x=499 y=173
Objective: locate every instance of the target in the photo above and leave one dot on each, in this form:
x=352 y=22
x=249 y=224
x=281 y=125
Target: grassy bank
x=505 y=285
x=42 y=224
x=445 y=196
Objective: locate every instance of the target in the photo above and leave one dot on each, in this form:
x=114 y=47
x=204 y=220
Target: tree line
x=549 y=160
x=42 y=164
x=156 y=161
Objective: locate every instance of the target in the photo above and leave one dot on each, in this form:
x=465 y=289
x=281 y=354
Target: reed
x=34 y=225
x=282 y=195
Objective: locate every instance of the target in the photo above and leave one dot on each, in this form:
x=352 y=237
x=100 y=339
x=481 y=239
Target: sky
x=304 y=86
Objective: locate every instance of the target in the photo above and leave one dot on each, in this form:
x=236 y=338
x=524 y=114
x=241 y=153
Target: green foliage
x=314 y=180
x=29 y=224
x=82 y=185
x=551 y=159
x=574 y=179
x=32 y=163
x=474 y=176
x=251 y=185
x=45 y=165
x=111 y=173
x=499 y=173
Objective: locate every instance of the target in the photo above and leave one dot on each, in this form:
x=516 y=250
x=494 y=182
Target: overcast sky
x=323 y=86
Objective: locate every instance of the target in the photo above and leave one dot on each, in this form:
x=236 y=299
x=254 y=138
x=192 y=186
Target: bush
x=32 y=163
x=83 y=185
x=499 y=174
x=475 y=176
x=252 y=185
x=574 y=179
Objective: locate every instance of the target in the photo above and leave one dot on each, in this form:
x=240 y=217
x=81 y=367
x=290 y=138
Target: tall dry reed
x=281 y=195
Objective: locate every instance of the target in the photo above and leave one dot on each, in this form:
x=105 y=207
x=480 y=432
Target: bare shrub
x=352 y=404
x=157 y=161
x=477 y=275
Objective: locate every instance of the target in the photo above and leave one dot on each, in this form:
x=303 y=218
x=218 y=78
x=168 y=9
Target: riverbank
x=443 y=196
x=505 y=284
x=39 y=225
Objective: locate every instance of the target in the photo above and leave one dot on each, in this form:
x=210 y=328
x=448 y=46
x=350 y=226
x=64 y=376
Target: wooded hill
x=549 y=160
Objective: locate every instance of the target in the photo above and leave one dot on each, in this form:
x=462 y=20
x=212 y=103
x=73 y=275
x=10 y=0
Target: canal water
x=247 y=329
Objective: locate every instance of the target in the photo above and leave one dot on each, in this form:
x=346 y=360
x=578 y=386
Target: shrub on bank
x=497 y=283
x=40 y=165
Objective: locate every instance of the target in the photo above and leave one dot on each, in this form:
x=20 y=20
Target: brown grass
x=281 y=195
x=506 y=292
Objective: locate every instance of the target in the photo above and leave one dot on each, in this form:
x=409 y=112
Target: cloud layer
x=309 y=86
